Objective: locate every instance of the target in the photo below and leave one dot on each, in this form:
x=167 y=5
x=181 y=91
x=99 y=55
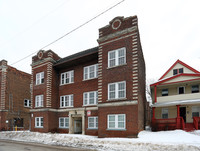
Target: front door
x=183 y=113
x=77 y=126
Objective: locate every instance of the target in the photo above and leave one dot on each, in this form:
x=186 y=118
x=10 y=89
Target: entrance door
x=183 y=113
x=77 y=126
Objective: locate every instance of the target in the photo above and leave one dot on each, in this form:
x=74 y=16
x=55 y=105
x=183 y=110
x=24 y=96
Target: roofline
x=59 y=63
x=178 y=75
x=184 y=64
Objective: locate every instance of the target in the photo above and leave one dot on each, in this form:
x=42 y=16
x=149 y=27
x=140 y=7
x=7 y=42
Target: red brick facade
x=15 y=88
x=127 y=109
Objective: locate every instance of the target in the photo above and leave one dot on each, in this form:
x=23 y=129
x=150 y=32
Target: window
x=164 y=92
x=116 y=90
x=90 y=72
x=117 y=57
x=195 y=111
x=39 y=78
x=67 y=100
x=64 y=122
x=39 y=101
x=195 y=89
x=90 y=98
x=27 y=103
x=165 y=113
x=181 y=90
x=67 y=77
x=93 y=122
x=116 y=121
x=39 y=122
x=177 y=71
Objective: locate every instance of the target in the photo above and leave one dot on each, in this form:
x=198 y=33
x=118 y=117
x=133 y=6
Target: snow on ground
x=176 y=140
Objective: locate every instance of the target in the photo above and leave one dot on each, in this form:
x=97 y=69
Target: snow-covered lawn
x=177 y=140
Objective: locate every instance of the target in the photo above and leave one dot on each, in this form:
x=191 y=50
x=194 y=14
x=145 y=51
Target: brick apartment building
x=15 y=97
x=99 y=91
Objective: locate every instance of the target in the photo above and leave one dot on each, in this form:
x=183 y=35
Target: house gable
x=176 y=66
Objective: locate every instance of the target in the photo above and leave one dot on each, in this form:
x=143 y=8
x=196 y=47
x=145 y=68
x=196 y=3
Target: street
x=23 y=146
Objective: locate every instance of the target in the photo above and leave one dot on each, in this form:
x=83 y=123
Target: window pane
x=91 y=98
x=41 y=121
x=112 y=55
x=181 y=70
x=111 y=118
x=121 y=60
x=181 y=90
x=175 y=72
x=164 y=92
x=66 y=122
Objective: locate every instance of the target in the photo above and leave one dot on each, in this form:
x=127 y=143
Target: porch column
x=178 y=119
x=178 y=111
x=155 y=93
x=83 y=123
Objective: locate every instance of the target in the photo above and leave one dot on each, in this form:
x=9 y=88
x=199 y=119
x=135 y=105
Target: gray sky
x=169 y=29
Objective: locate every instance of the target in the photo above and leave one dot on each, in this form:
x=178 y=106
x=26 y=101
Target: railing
x=196 y=121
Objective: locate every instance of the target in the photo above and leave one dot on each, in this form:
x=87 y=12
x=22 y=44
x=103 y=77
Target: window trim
x=116 y=58
x=64 y=101
x=40 y=78
x=71 y=77
x=116 y=91
x=116 y=122
x=64 y=118
x=40 y=122
x=95 y=122
x=88 y=72
x=88 y=98
x=41 y=101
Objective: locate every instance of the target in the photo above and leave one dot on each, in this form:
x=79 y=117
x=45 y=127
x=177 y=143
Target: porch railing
x=196 y=121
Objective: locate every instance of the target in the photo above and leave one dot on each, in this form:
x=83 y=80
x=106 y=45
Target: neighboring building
x=99 y=91
x=15 y=97
x=176 y=99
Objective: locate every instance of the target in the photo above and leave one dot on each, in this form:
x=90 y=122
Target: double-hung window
x=67 y=101
x=117 y=57
x=181 y=90
x=164 y=92
x=116 y=121
x=90 y=72
x=39 y=101
x=93 y=122
x=117 y=90
x=67 y=77
x=39 y=122
x=64 y=122
x=39 y=78
x=165 y=113
x=90 y=98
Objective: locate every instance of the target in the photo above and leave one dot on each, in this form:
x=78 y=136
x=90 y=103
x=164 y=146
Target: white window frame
x=87 y=72
x=165 y=111
x=94 y=122
x=28 y=103
x=39 y=101
x=86 y=98
x=65 y=122
x=116 y=90
x=39 y=78
x=41 y=122
x=116 y=57
x=67 y=103
x=67 y=75
x=116 y=122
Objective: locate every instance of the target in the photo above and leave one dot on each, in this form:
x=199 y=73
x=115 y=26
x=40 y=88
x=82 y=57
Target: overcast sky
x=169 y=29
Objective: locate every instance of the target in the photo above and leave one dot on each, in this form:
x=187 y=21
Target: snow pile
x=147 y=141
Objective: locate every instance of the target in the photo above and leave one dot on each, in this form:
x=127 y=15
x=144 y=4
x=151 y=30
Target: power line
x=71 y=31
